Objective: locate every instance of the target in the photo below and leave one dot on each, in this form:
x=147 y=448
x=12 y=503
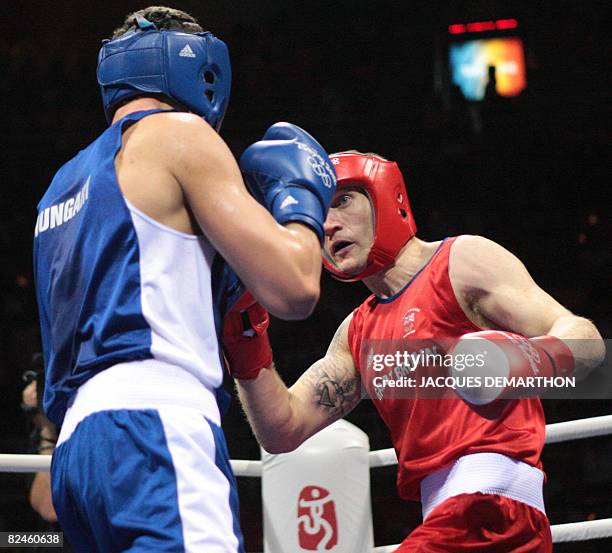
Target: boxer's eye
x=341 y=201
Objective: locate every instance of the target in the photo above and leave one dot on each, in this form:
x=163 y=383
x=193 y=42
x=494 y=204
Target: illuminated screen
x=470 y=60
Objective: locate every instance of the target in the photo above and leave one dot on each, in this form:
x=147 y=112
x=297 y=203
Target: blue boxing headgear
x=191 y=69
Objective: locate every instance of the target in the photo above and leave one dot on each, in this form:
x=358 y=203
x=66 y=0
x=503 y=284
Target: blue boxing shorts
x=143 y=480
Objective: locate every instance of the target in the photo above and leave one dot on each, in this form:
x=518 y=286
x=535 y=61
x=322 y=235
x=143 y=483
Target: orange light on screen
x=507 y=56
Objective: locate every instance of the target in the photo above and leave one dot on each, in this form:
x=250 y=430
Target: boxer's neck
x=411 y=259
x=140 y=104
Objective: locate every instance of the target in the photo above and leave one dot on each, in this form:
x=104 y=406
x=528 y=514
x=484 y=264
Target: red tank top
x=429 y=434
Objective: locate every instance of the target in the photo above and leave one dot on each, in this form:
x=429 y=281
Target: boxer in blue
x=143 y=241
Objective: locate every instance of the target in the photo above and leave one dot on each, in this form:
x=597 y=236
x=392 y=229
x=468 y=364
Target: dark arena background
x=528 y=167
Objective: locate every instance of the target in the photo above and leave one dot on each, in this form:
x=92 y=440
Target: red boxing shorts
x=481 y=523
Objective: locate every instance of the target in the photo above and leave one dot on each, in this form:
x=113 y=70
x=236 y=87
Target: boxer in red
x=473 y=463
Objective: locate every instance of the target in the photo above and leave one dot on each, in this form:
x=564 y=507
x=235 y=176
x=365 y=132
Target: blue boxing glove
x=290 y=174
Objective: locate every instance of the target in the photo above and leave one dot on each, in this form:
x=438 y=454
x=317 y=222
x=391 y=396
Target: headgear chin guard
x=191 y=69
x=394 y=223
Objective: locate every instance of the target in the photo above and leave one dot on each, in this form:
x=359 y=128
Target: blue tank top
x=115 y=286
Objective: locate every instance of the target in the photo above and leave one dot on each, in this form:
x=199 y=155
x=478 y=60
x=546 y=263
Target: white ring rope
x=12 y=462
x=581 y=428
x=582 y=531
x=559 y=432
x=246 y=468
x=555 y=433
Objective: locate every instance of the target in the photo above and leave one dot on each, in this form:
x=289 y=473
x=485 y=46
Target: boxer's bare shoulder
x=167 y=155
x=181 y=143
x=495 y=290
x=477 y=264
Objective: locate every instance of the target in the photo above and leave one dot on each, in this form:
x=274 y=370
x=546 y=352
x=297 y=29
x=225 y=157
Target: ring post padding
x=318 y=496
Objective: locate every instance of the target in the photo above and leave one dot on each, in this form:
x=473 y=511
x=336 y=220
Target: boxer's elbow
x=275 y=441
x=584 y=340
x=286 y=444
x=296 y=302
x=280 y=447
x=287 y=436
x=301 y=281
x=304 y=302
x=590 y=352
x=598 y=350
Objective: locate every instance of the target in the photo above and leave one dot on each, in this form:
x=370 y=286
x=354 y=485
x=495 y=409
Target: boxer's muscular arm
x=283 y=418
x=188 y=169
x=496 y=292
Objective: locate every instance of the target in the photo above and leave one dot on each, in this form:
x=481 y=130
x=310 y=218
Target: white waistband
x=147 y=384
x=486 y=473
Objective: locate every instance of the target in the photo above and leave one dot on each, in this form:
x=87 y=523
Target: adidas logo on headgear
x=187 y=52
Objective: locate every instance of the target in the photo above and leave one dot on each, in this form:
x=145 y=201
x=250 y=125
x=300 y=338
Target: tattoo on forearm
x=332 y=383
x=337 y=395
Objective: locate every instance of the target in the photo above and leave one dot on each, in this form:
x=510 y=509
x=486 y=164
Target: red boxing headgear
x=393 y=220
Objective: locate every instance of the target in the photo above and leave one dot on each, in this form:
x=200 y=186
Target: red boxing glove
x=245 y=338
x=494 y=353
